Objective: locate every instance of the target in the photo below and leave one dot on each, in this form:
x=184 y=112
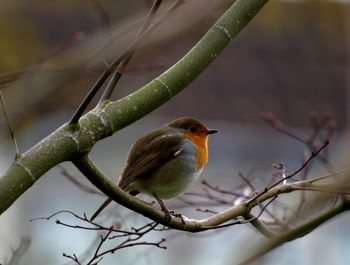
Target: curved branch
x=299 y=231
x=110 y=188
x=70 y=141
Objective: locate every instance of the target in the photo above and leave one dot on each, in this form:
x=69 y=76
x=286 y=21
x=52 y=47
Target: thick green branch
x=67 y=142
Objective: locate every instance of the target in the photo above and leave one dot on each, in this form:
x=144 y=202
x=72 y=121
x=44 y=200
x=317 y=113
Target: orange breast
x=201 y=141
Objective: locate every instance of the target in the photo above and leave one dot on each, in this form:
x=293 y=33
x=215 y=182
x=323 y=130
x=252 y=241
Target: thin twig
x=119 y=71
x=254 y=220
x=195 y=203
x=246 y=181
x=96 y=226
x=129 y=242
x=151 y=224
x=270 y=119
x=77 y=183
x=313 y=155
x=217 y=189
x=206 y=211
x=130 y=236
x=220 y=190
x=73 y=258
x=102 y=12
x=9 y=126
x=309 y=141
x=109 y=70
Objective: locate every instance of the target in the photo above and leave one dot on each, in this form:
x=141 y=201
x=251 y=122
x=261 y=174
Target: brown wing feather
x=148 y=154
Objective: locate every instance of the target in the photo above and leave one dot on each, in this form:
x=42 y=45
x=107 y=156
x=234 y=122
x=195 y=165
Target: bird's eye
x=192 y=129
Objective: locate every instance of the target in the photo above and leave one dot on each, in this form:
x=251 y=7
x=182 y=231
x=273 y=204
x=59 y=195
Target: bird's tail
x=103 y=205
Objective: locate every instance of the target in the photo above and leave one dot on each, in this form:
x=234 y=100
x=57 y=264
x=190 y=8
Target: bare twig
x=73 y=258
x=131 y=237
x=92 y=225
x=206 y=211
x=220 y=190
x=9 y=126
x=119 y=71
x=129 y=242
x=240 y=221
x=109 y=70
x=246 y=181
x=80 y=185
x=313 y=155
x=309 y=141
x=254 y=220
x=103 y=14
x=270 y=119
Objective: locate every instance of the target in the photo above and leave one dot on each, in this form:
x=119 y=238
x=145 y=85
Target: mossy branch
x=69 y=142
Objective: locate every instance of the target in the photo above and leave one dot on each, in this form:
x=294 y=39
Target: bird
x=166 y=162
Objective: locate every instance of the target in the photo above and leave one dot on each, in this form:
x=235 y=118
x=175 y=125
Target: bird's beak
x=211 y=131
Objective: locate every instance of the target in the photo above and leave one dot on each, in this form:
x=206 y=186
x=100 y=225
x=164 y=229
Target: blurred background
x=292 y=60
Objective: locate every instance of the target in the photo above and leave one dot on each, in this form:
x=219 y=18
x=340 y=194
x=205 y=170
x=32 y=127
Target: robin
x=166 y=162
